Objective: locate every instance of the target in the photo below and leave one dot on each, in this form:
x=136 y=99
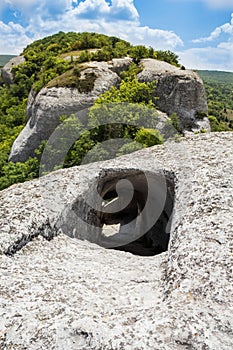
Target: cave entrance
x=136 y=211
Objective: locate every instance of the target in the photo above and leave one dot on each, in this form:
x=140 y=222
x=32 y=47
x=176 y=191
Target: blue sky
x=199 y=31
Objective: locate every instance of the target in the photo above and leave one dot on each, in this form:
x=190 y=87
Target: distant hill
x=216 y=76
x=4 y=59
x=219 y=90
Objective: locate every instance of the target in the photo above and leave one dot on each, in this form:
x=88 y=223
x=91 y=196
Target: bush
x=149 y=137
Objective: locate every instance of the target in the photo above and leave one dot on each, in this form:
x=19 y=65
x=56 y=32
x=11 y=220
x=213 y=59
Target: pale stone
x=6 y=71
x=64 y=293
x=45 y=109
x=178 y=91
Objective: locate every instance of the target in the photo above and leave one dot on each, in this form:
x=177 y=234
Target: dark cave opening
x=137 y=227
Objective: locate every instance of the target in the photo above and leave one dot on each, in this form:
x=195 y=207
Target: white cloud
x=118 y=9
x=12 y=36
x=226 y=28
x=210 y=58
x=127 y=6
x=92 y=5
x=120 y=18
x=219 y=56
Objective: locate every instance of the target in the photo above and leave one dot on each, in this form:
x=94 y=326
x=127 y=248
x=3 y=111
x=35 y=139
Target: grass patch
x=73 y=79
x=76 y=53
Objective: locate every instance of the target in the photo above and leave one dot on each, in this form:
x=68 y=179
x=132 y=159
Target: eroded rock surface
x=6 y=71
x=64 y=293
x=178 y=91
x=45 y=109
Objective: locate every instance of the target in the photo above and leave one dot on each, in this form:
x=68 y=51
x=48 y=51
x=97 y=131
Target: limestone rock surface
x=120 y=65
x=6 y=71
x=178 y=91
x=64 y=293
x=45 y=109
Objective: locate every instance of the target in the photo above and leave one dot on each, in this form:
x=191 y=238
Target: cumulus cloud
x=210 y=58
x=13 y=35
x=118 y=17
x=226 y=28
x=219 y=56
x=118 y=9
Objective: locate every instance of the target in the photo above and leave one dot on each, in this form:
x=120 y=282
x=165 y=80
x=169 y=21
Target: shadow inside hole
x=156 y=239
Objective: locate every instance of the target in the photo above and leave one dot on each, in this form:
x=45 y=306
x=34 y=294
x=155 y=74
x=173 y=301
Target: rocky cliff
x=61 y=292
x=6 y=71
x=178 y=91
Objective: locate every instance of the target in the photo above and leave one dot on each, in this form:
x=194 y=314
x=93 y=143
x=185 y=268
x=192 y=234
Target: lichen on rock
x=73 y=294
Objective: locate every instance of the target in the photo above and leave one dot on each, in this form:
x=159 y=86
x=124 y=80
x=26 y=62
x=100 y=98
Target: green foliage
x=219 y=90
x=129 y=147
x=19 y=172
x=131 y=91
x=217 y=125
x=175 y=120
x=117 y=115
x=139 y=52
x=149 y=137
x=131 y=72
x=168 y=56
x=57 y=60
x=73 y=79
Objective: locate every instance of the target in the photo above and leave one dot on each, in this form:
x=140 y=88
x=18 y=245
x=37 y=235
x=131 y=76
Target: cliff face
x=6 y=71
x=178 y=91
x=45 y=109
x=58 y=292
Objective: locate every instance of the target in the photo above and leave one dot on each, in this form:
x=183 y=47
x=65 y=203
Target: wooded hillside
x=219 y=89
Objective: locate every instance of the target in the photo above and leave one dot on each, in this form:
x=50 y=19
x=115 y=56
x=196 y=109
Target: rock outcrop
x=45 y=109
x=6 y=71
x=64 y=293
x=178 y=91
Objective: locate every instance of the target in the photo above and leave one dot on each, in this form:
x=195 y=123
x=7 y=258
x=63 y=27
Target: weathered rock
x=45 y=109
x=63 y=293
x=120 y=65
x=178 y=91
x=6 y=71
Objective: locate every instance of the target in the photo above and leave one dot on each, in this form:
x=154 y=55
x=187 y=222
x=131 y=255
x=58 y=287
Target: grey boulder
x=6 y=71
x=178 y=91
x=45 y=109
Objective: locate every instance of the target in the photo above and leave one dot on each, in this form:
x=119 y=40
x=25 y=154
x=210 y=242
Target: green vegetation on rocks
x=59 y=61
x=219 y=89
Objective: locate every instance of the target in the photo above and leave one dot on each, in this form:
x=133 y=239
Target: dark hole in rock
x=154 y=219
x=124 y=209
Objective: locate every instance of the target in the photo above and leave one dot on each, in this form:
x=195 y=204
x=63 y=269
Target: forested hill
x=219 y=89
x=59 y=59
x=215 y=76
x=4 y=59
